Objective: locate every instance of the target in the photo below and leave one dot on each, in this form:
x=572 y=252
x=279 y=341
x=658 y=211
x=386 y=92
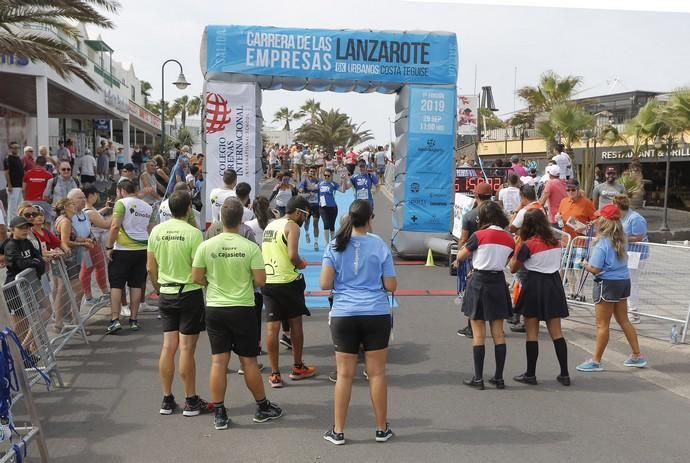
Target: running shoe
x=474 y=382
x=383 y=436
x=113 y=327
x=275 y=380
x=220 y=418
x=466 y=332
x=637 y=362
x=333 y=377
x=144 y=307
x=634 y=318
x=134 y=325
x=240 y=371
x=365 y=374
x=518 y=328
x=169 y=405
x=590 y=365
x=499 y=383
x=286 y=341
x=196 y=406
x=316 y=246
x=308 y=238
x=90 y=300
x=564 y=380
x=273 y=412
x=302 y=372
x=523 y=378
x=337 y=438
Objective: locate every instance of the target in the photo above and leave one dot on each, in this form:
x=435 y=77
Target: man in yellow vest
x=284 y=289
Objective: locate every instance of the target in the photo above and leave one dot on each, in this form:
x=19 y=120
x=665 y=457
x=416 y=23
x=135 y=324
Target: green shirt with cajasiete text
x=174 y=244
x=229 y=260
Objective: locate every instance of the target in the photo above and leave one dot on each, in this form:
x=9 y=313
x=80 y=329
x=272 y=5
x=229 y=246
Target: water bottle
x=674 y=334
x=559 y=221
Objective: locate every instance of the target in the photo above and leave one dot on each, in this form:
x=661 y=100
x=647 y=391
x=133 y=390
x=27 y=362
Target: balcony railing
x=107 y=77
x=511 y=133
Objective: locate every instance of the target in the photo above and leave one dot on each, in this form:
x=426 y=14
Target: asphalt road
x=109 y=411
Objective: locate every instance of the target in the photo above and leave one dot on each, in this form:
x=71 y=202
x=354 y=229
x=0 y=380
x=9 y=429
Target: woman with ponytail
x=358 y=268
x=608 y=263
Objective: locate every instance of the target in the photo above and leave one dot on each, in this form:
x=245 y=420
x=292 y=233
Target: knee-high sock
x=532 y=350
x=478 y=352
x=500 y=353
x=562 y=354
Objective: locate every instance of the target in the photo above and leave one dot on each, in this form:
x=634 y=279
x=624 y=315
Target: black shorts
x=329 y=215
x=284 y=301
x=88 y=179
x=314 y=211
x=610 y=290
x=120 y=165
x=183 y=312
x=111 y=164
x=127 y=268
x=372 y=332
x=232 y=329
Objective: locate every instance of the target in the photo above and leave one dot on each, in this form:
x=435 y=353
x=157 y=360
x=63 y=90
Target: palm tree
x=146 y=88
x=645 y=127
x=186 y=106
x=568 y=120
x=58 y=16
x=310 y=108
x=552 y=90
x=285 y=114
x=332 y=128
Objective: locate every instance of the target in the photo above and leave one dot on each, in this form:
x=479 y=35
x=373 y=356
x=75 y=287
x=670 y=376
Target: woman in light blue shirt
x=608 y=262
x=358 y=267
x=635 y=229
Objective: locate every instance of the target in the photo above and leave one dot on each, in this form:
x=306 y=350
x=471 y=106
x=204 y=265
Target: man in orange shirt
x=575 y=212
x=575 y=208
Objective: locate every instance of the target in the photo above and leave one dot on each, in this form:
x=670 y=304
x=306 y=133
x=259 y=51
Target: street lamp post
x=669 y=146
x=180 y=83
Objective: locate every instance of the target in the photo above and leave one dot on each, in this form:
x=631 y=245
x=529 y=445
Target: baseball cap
x=483 y=189
x=610 y=211
x=553 y=171
x=18 y=222
x=572 y=184
x=129 y=166
x=514 y=158
x=611 y=170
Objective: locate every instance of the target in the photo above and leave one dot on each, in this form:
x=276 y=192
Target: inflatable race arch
x=239 y=62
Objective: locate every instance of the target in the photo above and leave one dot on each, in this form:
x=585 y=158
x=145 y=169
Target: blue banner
x=429 y=167
x=398 y=57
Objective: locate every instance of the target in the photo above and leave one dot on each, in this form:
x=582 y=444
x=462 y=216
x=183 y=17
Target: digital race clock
x=469 y=184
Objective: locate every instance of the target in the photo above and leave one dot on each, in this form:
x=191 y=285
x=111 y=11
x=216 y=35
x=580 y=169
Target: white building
x=38 y=107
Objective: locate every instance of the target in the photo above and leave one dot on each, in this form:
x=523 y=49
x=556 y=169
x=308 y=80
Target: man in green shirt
x=284 y=289
x=231 y=266
x=171 y=249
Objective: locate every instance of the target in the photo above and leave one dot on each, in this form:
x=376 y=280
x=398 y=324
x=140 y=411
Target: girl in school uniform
x=542 y=297
x=486 y=297
x=608 y=262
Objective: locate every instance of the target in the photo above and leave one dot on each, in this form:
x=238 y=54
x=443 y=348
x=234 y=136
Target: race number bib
x=363 y=194
x=322 y=201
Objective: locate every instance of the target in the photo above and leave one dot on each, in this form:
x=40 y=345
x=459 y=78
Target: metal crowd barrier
x=30 y=313
x=28 y=331
x=97 y=262
x=659 y=275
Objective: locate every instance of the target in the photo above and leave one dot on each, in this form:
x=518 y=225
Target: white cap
x=553 y=171
x=28 y=148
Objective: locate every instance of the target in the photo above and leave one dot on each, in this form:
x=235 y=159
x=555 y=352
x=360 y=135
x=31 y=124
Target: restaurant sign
x=649 y=155
x=145 y=115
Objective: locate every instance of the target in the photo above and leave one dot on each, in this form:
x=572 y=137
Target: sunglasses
x=304 y=212
x=571 y=190
x=65 y=170
x=30 y=215
x=327 y=176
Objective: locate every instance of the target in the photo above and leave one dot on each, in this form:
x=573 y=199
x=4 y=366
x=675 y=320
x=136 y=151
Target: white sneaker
x=308 y=238
x=125 y=312
x=144 y=307
x=316 y=246
x=634 y=319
